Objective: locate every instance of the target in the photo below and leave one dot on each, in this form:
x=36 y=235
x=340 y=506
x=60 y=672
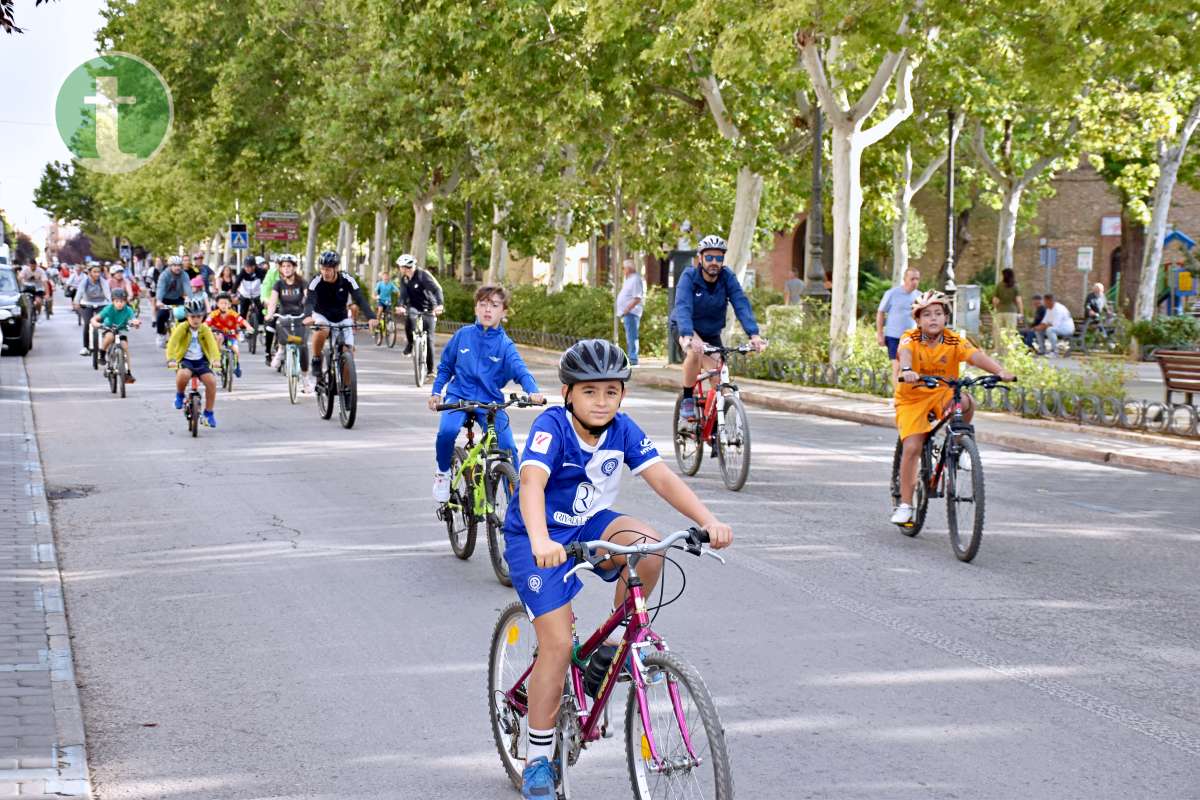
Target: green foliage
x=1100 y=376
x=1167 y=332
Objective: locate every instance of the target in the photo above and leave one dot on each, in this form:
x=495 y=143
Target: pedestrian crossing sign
x=239 y=239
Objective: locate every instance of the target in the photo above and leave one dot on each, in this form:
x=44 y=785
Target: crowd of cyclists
x=570 y=467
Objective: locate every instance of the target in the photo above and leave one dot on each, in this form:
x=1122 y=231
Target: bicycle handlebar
x=986 y=381
x=324 y=326
x=744 y=347
x=584 y=552
x=519 y=400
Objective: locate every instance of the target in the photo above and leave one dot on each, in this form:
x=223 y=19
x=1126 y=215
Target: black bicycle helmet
x=329 y=259
x=120 y=294
x=593 y=360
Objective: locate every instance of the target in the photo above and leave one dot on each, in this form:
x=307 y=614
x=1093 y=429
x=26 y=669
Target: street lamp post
x=814 y=273
x=948 y=268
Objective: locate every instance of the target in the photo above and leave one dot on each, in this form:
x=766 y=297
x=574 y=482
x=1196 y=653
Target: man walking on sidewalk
x=630 y=307
x=895 y=315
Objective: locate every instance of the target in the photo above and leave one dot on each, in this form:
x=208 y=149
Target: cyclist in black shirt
x=328 y=296
x=420 y=296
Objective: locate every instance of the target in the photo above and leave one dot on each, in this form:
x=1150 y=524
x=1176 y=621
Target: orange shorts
x=912 y=416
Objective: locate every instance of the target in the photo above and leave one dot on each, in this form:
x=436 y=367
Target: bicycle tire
x=679 y=783
x=689 y=450
x=965 y=548
x=921 y=493
x=391 y=334
x=95 y=351
x=348 y=392
x=418 y=358
x=293 y=370
x=111 y=377
x=459 y=513
x=510 y=744
x=194 y=417
x=325 y=394
x=252 y=336
x=733 y=451
x=504 y=482
x=120 y=371
x=226 y=371
x=378 y=335
x=894 y=486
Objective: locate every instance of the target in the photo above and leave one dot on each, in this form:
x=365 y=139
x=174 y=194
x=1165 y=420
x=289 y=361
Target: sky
x=58 y=37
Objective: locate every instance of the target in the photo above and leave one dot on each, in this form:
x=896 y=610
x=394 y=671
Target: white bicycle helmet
x=174 y=261
x=930 y=298
x=406 y=261
x=712 y=243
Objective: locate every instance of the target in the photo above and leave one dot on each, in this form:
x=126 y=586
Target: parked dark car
x=16 y=313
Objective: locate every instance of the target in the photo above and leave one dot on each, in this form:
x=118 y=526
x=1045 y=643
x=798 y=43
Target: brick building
x=1080 y=223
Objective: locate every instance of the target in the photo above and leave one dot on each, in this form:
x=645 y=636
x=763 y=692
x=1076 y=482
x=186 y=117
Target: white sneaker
x=441 y=487
x=85 y=352
x=277 y=360
x=903 y=514
x=306 y=384
x=160 y=341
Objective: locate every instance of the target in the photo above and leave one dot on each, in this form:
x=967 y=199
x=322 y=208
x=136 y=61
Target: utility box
x=679 y=261
x=967 y=305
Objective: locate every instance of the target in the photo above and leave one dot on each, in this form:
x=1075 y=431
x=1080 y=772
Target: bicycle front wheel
x=504 y=487
x=676 y=699
x=194 y=417
x=458 y=512
x=252 y=337
x=964 y=500
x=348 y=394
x=513 y=647
x=391 y=333
x=326 y=391
x=293 y=373
x=689 y=450
x=733 y=446
x=119 y=366
x=418 y=359
x=378 y=335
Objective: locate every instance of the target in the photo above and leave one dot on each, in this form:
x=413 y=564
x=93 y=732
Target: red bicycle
x=721 y=423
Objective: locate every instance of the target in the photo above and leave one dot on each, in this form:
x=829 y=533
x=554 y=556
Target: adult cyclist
x=421 y=296
x=328 y=296
x=287 y=299
x=249 y=283
x=698 y=317
x=174 y=287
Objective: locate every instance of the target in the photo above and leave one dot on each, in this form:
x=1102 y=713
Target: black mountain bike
x=338 y=377
x=483 y=482
x=951 y=468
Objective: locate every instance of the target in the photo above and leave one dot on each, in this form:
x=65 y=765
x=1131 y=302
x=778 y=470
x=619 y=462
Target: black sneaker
x=103 y=358
x=408 y=349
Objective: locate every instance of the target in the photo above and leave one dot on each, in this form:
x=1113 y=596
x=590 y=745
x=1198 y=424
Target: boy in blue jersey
x=570 y=475
x=477 y=362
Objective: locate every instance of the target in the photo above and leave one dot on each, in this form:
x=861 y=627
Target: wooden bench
x=1180 y=372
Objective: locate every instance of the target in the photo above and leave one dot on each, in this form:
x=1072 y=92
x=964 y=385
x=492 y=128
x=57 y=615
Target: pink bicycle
x=674 y=740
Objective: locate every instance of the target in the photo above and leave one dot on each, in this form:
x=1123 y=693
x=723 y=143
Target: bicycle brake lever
x=714 y=555
x=580 y=566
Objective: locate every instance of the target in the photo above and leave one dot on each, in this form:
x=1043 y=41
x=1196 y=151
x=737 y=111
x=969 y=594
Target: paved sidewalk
x=1171 y=455
x=42 y=751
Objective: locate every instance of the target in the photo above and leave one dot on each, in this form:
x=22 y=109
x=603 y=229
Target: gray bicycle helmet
x=119 y=294
x=593 y=360
x=195 y=305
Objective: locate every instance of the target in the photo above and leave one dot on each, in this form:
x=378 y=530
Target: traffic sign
x=277 y=226
x=126 y=252
x=239 y=239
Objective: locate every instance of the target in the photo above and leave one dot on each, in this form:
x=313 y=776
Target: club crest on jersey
x=535 y=583
x=609 y=466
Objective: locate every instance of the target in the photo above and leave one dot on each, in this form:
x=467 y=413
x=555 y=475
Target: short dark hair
x=1047 y=296
x=1037 y=297
x=487 y=292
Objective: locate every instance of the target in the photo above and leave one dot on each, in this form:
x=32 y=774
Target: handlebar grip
x=447 y=406
x=576 y=551
x=698 y=535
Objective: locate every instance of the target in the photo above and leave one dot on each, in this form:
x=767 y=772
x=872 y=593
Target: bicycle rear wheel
x=512 y=650
x=458 y=512
x=689 y=450
x=733 y=448
x=348 y=396
x=504 y=487
x=665 y=675
x=964 y=500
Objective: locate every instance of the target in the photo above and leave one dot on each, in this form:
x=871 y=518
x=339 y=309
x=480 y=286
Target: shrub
x=1168 y=332
x=1100 y=376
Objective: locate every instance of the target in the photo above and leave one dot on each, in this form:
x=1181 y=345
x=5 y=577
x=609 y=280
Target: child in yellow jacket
x=193 y=348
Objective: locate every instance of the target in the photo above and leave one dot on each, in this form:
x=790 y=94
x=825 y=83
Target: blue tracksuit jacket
x=700 y=305
x=478 y=363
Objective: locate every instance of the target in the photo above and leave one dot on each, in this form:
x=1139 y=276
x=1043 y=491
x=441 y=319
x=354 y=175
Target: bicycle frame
x=638 y=635
x=713 y=411
x=954 y=420
x=481 y=454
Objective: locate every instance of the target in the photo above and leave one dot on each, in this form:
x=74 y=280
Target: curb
x=69 y=777
x=881 y=416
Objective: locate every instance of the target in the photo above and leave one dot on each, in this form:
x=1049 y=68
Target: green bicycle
x=483 y=481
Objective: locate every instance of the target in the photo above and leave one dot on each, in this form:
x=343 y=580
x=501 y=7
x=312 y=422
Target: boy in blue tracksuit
x=699 y=314
x=477 y=363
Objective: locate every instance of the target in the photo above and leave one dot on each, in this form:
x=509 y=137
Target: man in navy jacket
x=699 y=314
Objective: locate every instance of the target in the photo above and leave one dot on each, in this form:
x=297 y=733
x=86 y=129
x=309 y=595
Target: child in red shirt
x=228 y=323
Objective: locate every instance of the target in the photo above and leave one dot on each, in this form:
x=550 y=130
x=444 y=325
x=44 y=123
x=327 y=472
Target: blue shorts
x=198 y=367
x=893 y=344
x=543 y=590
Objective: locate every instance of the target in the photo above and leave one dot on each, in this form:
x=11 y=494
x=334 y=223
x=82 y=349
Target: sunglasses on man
x=717 y=259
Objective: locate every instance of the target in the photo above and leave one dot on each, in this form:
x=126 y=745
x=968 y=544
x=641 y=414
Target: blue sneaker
x=179 y=400
x=209 y=419
x=538 y=779
x=237 y=371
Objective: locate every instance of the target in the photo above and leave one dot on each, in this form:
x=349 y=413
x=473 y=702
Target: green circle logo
x=114 y=113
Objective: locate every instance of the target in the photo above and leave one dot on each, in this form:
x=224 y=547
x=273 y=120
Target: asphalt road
x=272 y=610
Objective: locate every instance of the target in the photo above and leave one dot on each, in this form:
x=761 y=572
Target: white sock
x=541 y=744
x=904 y=505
